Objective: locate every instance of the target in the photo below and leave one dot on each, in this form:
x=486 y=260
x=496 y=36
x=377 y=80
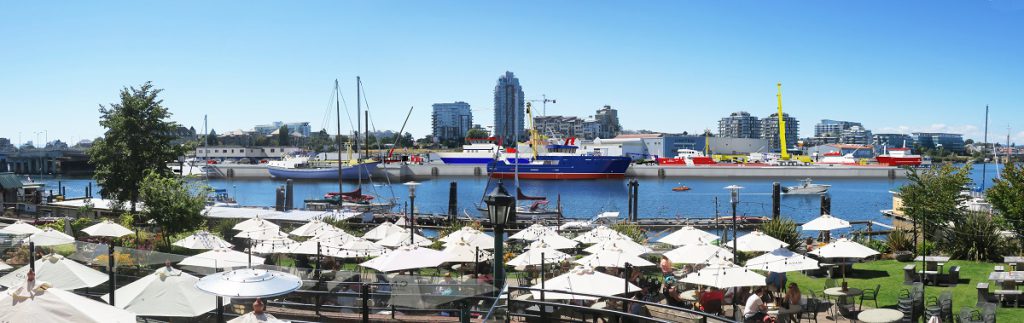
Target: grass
x=889 y=274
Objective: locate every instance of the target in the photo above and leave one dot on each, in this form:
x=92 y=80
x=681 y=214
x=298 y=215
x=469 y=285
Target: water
x=852 y=199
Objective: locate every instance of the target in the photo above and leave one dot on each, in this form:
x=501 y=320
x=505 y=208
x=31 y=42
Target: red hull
x=682 y=162
x=558 y=175
x=899 y=161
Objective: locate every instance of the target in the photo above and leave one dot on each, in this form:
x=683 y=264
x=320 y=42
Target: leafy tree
x=172 y=204
x=426 y=141
x=212 y=138
x=932 y=198
x=320 y=141
x=1007 y=195
x=283 y=136
x=137 y=141
x=406 y=140
x=477 y=133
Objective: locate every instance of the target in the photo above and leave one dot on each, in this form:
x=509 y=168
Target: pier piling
x=826 y=204
x=279 y=199
x=776 y=205
x=453 y=201
x=289 y=202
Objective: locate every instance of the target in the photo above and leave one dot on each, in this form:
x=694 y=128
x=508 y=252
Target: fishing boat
x=837 y=158
x=479 y=151
x=899 y=157
x=559 y=161
x=805 y=188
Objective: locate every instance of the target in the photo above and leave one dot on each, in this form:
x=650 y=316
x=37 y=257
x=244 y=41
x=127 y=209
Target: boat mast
x=359 y=119
x=337 y=113
x=359 y=105
x=984 y=166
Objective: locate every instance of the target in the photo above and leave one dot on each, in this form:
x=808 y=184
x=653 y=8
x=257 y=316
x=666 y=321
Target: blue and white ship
x=479 y=151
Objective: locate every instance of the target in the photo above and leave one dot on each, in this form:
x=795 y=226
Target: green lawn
x=889 y=274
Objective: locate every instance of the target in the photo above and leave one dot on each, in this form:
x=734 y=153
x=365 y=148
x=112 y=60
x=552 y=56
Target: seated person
x=791 y=304
x=755 y=310
x=711 y=300
x=673 y=297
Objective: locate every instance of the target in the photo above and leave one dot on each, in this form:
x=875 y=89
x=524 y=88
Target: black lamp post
x=412 y=211
x=734 y=199
x=500 y=207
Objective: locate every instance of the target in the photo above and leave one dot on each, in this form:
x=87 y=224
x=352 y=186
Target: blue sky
x=667 y=66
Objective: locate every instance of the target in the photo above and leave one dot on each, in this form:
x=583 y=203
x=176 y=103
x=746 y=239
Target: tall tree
x=137 y=141
x=283 y=136
x=172 y=204
x=212 y=139
x=477 y=133
x=1007 y=195
x=932 y=198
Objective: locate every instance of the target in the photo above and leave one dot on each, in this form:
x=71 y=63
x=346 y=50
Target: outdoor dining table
x=1013 y=261
x=689 y=295
x=1002 y=276
x=841 y=294
x=880 y=315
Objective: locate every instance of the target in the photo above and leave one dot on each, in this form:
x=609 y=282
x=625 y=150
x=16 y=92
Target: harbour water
x=852 y=199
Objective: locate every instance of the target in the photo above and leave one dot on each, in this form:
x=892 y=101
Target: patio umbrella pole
x=543 y=312
x=318 y=260
x=476 y=263
x=32 y=255
x=220 y=309
x=110 y=270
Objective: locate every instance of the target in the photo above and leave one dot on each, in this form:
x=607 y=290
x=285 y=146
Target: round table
x=880 y=315
x=841 y=295
x=689 y=295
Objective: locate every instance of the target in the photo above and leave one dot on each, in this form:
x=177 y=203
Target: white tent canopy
x=311 y=228
x=463 y=233
x=265 y=234
x=481 y=240
x=49 y=237
x=825 y=222
x=533 y=232
x=166 y=292
x=844 y=248
x=701 y=253
x=556 y=241
x=40 y=302
x=20 y=227
x=273 y=246
x=782 y=260
x=60 y=272
x=584 y=280
x=613 y=258
x=599 y=234
x=202 y=240
x=757 y=241
x=221 y=258
x=107 y=228
x=358 y=248
x=405 y=258
x=687 y=235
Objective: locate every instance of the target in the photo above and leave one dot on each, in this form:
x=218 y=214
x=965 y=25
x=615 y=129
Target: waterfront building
x=892 y=140
x=301 y=128
x=56 y=160
x=607 y=120
x=770 y=130
x=651 y=146
x=243 y=154
x=855 y=135
x=833 y=128
x=509 y=109
x=6 y=145
x=451 y=121
x=562 y=127
x=739 y=124
x=952 y=142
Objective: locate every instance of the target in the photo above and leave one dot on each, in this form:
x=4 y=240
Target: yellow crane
x=782 y=126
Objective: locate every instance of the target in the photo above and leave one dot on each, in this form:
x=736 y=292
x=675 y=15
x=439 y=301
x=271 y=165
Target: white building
x=236 y=153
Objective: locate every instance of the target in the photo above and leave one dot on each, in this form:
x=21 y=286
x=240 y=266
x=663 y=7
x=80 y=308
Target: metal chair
x=811 y=308
x=871 y=295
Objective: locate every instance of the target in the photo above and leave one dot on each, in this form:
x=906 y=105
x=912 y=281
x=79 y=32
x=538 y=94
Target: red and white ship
x=687 y=157
x=899 y=157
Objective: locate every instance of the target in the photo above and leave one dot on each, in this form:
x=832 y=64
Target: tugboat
x=806 y=188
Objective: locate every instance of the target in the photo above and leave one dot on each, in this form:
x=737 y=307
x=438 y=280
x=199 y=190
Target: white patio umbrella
x=782 y=260
x=613 y=258
x=585 y=280
x=626 y=245
x=481 y=240
x=165 y=292
x=726 y=276
x=221 y=258
x=255 y=223
x=532 y=256
x=107 y=228
x=405 y=258
x=844 y=248
x=273 y=246
x=60 y=272
x=402 y=238
x=598 y=234
x=41 y=302
x=383 y=231
x=311 y=228
x=357 y=248
x=533 y=232
x=329 y=233
x=20 y=227
x=687 y=235
x=825 y=222
x=556 y=241
x=4 y=265
x=465 y=233
x=49 y=237
x=757 y=241
x=249 y=283
x=203 y=240
x=309 y=247
x=701 y=253
x=252 y=317
x=266 y=234
x=463 y=252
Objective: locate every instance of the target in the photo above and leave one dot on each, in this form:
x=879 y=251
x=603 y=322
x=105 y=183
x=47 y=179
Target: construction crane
x=544 y=102
x=782 y=126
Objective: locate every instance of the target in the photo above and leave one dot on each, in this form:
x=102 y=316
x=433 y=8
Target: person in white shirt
x=755 y=310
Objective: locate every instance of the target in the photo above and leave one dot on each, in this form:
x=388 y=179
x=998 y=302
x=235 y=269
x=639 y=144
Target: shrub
x=900 y=240
x=632 y=231
x=976 y=238
x=782 y=229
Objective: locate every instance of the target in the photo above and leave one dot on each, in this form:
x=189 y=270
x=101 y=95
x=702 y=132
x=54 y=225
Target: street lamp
x=412 y=211
x=734 y=199
x=500 y=208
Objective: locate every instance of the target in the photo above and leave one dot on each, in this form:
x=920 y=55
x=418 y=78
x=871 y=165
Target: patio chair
x=810 y=310
x=970 y=315
x=988 y=313
x=871 y=295
x=946 y=306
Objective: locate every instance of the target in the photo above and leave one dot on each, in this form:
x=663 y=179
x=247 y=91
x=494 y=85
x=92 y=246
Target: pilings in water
x=453 y=201
x=776 y=203
x=633 y=195
x=279 y=199
x=289 y=201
